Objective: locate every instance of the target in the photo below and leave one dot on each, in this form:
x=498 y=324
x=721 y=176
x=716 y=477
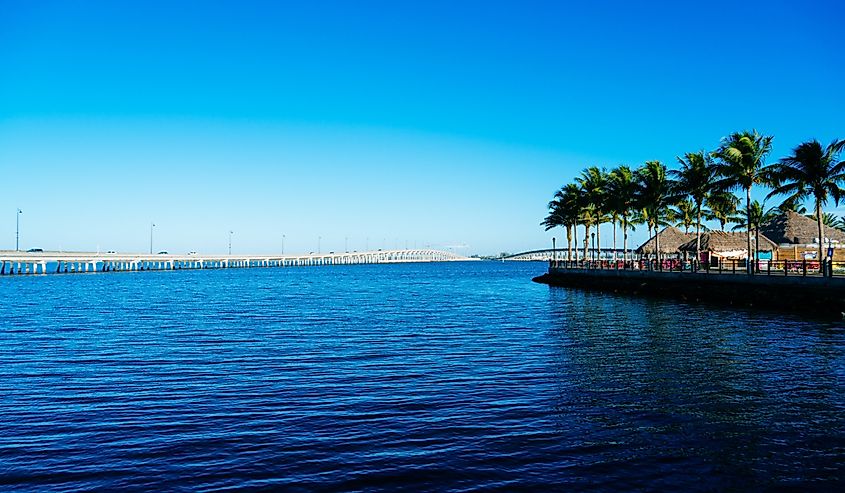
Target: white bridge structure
x=12 y=263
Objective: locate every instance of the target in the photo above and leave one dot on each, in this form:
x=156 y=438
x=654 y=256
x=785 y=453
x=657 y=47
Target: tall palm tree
x=742 y=160
x=721 y=207
x=812 y=171
x=655 y=193
x=593 y=182
x=570 y=199
x=556 y=217
x=695 y=179
x=622 y=190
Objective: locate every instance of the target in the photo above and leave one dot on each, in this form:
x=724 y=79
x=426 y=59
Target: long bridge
x=12 y=263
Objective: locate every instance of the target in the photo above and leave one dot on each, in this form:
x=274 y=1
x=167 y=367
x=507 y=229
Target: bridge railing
x=801 y=267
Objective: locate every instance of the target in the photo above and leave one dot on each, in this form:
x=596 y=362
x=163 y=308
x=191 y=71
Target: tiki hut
x=791 y=228
x=670 y=239
x=733 y=245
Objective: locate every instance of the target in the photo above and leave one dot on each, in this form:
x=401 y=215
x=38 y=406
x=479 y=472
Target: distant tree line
x=702 y=188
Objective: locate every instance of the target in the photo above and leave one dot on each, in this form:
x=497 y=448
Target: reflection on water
x=425 y=377
x=738 y=399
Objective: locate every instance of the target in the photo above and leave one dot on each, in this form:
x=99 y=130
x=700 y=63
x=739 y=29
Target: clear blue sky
x=438 y=123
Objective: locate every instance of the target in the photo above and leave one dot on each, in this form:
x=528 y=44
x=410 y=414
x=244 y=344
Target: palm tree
x=593 y=182
x=758 y=216
x=811 y=171
x=684 y=214
x=695 y=178
x=655 y=193
x=721 y=207
x=622 y=190
x=741 y=165
x=556 y=217
x=840 y=224
x=828 y=219
x=792 y=205
x=568 y=205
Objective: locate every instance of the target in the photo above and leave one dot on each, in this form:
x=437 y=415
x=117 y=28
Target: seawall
x=817 y=294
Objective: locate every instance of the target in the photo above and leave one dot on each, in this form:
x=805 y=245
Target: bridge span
x=13 y=263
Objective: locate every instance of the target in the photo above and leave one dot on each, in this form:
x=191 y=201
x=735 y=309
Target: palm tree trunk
x=748 y=224
x=656 y=241
x=624 y=238
x=586 y=240
x=698 y=235
x=568 y=242
x=575 y=240
x=821 y=228
x=614 y=240
x=598 y=242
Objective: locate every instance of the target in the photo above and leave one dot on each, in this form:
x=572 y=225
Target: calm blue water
x=406 y=377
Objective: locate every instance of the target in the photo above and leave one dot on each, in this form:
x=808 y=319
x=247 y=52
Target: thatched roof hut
x=670 y=239
x=728 y=244
x=798 y=229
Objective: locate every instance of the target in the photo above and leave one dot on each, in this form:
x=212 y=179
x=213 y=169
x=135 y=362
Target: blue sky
x=385 y=122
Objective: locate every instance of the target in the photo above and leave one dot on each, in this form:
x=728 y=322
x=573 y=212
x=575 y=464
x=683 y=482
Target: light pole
x=152 y=225
x=346 y=244
x=594 y=245
x=283 y=244
x=230 y=241
x=554 y=251
x=319 y=240
x=18 y=230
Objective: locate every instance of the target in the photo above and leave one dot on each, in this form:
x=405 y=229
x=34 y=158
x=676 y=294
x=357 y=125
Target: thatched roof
x=794 y=228
x=670 y=239
x=721 y=241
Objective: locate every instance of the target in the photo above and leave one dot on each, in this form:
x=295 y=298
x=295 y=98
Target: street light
x=18 y=230
x=319 y=239
x=594 y=245
x=152 y=225
x=283 y=244
x=346 y=244
x=230 y=241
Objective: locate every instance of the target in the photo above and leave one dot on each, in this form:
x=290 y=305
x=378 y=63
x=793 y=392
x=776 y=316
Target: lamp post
x=593 y=235
x=283 y=244
x=554 y=251
x=152 y=225
x=230 y=241
x=319 y=240
x=346 y=244
x=18 y=230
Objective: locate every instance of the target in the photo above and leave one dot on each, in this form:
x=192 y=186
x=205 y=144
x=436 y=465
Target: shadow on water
x=688 y=393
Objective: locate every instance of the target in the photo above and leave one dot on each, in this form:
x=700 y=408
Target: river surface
x=415 y=377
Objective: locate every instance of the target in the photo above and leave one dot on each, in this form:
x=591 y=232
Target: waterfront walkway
x=767 y=268
x=13 y=263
